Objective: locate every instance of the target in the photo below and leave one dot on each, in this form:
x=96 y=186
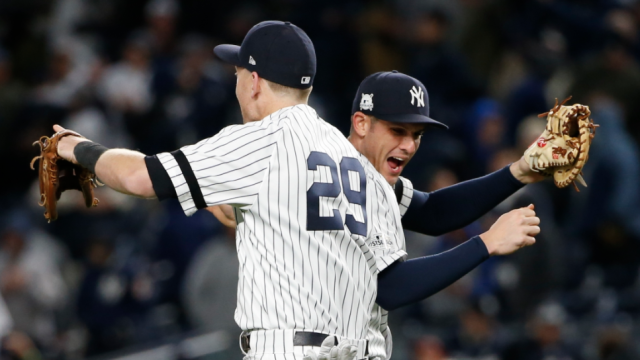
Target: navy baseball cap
x=395 y=97
x=278 y=51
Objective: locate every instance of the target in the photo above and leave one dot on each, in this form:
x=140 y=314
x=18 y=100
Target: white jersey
x=316 y=221
x=380 y=340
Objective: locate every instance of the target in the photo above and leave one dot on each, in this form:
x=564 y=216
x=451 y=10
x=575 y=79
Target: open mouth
x=395 y=163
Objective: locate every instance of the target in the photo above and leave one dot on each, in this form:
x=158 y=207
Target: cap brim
x=412 y=119
x=228 y=53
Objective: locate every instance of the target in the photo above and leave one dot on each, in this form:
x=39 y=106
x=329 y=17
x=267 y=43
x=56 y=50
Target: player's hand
x=67 y=144
x=512 y=231
x=224 y=214
x=523 y=173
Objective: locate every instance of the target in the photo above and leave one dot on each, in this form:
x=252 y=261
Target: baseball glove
x=563 y=148
x=57 y=175
x=329 y=351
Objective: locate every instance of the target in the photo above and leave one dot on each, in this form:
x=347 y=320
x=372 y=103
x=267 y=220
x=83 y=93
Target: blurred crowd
x=141 y=74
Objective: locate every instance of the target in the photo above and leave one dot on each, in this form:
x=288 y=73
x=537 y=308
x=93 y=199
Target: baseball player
x=316 y=221
x=390 y=112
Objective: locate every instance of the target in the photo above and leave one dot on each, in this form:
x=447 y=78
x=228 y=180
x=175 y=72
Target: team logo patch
x=305 y=79
x=367 y=102
x=417 y=95
x=251 y=60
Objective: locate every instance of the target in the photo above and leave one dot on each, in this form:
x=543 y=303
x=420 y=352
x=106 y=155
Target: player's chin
x=391 y=178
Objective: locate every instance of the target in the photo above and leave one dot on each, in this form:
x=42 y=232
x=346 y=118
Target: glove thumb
x=325 y=349
x=344 y=352
x=328 y=343
x=347 y=352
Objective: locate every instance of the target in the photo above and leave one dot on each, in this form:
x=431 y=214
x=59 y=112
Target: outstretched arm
x=411 y=281
x=120 y=169
x=404 y=283
x=457 y=206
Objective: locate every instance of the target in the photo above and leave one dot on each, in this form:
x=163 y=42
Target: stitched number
x=332 y=190
x=355 y=197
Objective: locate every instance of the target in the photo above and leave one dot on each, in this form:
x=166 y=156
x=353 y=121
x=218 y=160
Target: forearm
x=120 y=169
x=416 y=279
x=459 y=205
x=125 y=171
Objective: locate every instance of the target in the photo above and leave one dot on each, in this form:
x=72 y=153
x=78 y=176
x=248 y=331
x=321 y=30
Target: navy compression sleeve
x=459 y=205
x=404 y=283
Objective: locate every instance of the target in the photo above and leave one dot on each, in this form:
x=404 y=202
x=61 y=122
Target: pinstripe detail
x=289 y=277
x=380 y=340
x=407 y=195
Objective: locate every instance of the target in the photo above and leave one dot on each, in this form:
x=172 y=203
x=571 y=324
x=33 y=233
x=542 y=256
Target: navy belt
x=301 y=338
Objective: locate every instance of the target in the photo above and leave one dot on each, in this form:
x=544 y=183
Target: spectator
x=476 y=336
x=615 y=74
x=113 y=299
x=64 y=79
x=545 y=339
x=486 y=130
x=429 y=348
x=12 y=92
x=210 y=288
x=126 y=86
x=440 y=67
x=196 y=108
x=31 y=284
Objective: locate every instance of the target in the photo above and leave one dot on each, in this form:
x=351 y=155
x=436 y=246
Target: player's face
x=389 y=146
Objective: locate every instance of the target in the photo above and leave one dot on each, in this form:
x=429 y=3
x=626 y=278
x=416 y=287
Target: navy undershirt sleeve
x=457 y=206
x=160 y=180
x=404 y=283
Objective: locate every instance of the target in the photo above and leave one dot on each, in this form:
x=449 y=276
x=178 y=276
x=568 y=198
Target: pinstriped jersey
x=380 y=340
x=316 y=221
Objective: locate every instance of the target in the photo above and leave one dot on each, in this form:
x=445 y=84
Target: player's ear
x=360 y=123
x=255 y=84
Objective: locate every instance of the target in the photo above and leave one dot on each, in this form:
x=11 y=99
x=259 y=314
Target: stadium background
x=134 y=275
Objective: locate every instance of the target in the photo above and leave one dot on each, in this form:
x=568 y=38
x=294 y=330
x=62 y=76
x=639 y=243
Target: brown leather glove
x=57 y=175
x=563 y=148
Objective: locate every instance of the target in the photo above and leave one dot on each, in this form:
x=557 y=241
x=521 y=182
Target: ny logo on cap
x=251 y=61
x=417 y=95
x=367 y=102
x=305 y=79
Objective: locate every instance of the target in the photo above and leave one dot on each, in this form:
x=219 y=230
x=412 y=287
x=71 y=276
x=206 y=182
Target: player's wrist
x=523 y=173
x=87 y=154
x=486 y=240
x=67 y=145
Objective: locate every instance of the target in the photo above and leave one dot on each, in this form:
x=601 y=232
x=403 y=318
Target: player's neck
x=268 y=102
x=356 y=141
x=276 y=104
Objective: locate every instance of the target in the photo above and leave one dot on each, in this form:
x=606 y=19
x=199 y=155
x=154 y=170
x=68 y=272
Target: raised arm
x=456 y=206
x=120 y=169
